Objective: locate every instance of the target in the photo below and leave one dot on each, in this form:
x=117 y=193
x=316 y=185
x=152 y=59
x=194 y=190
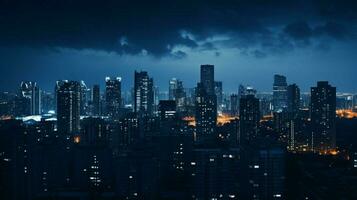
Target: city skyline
x=178 y=100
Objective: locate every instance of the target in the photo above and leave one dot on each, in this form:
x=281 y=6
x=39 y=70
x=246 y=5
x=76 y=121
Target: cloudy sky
x=247 y=41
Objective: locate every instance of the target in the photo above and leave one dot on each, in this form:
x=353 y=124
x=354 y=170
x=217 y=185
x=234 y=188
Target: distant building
x=84 y=98
x=143 y=93
x=219 y=94
x=68 y=106
x=323 y=117
x=249 y=116
x=206 y=102
x=234 y=105
x=293 y=99
x=31 y=91
x=172 y=88
x=96 y=100
x=113 y=96
x=279 y=92
x=207 y=78
x=206 y=111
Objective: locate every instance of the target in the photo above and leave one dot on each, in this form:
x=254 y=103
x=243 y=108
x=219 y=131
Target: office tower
x=323 y=117
x=206 y=111
x=95 y=100
x=293 y=99
x=206 y=102
x=31 y=91
x=180 y=97
x=47 y=102
x=279 y=93
x=143 y=93
x=219 y=94
x=167 y=109
x=241 y=91
x=113 y=96
x=249 y=116
x=68 y=106
x=84 y=99
x=207 y=78
x=156 y=99
x=281 y=124
x=172 y=88
x=234 y=105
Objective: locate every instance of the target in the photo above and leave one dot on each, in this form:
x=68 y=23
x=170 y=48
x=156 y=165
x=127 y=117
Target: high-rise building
x=234 y=105
x=249 y=116
x=206 y=102
x=206 y=111
x=31 y=91
x=323 y=117
x=84 y=98
x=219 y=94
x=172 y=88
x=207 y=78
x=279 y=93
x=143 y=93
x=68 y=106
x=293 y=99
x=113 y=96
x=96 y=100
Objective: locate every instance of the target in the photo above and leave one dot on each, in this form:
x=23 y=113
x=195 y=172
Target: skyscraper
x=293 y=99
x=96 y=100
x=234 y=105
x=143 y=93
x=323 y=117
x=279 y=92
x=249 y=116
x=172 y=88
x=84 y=98
x=31 y=91
x=207 y=78
x=68 y=106
x=113 y=96
x=206 y=102
x=219 y=94
x=180 y=97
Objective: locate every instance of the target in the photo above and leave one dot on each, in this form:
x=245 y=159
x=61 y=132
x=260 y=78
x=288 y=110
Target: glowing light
x=344 y=113
x=77 y=139
x=221 y=119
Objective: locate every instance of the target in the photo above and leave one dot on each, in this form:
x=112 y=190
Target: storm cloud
x=165 y=28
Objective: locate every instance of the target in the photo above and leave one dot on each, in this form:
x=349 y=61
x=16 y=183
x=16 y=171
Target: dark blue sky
x=247 y=41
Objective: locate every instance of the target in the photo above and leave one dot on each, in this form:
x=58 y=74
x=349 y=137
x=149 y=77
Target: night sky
x=247 y=41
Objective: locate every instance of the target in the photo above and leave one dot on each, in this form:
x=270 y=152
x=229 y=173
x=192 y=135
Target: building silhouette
x=249 y=116
x=206 y=102
x=279 y=92
x=32 y=92
x=143 y=93
x=323 y=117
x=96 y=100
x=113 y=96
x=68 y=106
